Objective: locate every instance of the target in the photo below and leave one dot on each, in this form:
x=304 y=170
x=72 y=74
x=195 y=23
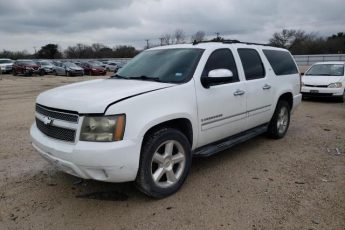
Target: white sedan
x=324 y=79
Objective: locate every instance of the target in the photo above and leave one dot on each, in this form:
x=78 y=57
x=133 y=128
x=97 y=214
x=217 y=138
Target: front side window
x=163 y=65
x=326 y=70
x=221 y=59
x=252 y=64
x=281 y=62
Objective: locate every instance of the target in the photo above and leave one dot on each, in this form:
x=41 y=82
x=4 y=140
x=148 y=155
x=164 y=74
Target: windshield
x=326 y=70
x=5 y=62
x=70 y=64
x=165 y=65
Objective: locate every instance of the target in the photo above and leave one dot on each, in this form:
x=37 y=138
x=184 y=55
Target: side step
x=214 y=148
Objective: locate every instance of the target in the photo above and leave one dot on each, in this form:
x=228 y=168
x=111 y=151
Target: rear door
x=259 y=85
x=221 y=107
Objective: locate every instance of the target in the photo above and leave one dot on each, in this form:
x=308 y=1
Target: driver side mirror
x=217 y=76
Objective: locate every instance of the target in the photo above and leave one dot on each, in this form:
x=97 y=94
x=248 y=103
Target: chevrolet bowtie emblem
x=48 y=120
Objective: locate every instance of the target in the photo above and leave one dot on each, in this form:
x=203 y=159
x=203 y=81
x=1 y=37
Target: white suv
x=166 y=105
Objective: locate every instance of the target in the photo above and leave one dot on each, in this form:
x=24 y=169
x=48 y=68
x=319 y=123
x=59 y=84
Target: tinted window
x=281 y=62
x=252 y=64
x=221 y=59
x=165 y=65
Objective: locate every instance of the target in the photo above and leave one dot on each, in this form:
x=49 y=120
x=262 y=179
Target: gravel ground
x=294 y=183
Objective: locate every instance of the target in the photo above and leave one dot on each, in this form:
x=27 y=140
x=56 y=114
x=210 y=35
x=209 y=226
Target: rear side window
x=221 y=59
x=252 y=64
x=281 y=62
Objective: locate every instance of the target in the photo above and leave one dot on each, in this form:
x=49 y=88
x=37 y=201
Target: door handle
x=238 y=92
x=266 y=86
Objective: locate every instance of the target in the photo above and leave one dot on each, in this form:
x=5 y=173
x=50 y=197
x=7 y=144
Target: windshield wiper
x=146 y=78
x=119 y=76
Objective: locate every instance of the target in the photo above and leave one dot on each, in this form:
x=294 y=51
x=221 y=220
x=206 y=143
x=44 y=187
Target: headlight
x=103 y=129
x=94 y=69
x=335 y=85
x=27 y=68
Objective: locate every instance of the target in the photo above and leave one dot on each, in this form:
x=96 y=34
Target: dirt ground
x=297 y=182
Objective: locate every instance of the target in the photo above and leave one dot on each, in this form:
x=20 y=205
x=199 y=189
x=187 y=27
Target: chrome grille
x=56 y=132
x=70 y=117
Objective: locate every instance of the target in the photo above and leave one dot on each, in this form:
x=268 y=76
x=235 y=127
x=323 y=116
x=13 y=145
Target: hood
x=321 y=80
x=94 y=96
x=76 y=68
x=6 y=64
x=32 y=66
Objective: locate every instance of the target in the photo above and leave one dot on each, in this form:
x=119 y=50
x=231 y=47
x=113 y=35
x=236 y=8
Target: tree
x=166 y=39
x=49 y=51
x=179 y=36
x=198 y=36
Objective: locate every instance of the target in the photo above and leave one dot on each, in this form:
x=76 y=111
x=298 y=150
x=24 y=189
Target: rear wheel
x=280 y=121
x=164 y=163
x=14 y=73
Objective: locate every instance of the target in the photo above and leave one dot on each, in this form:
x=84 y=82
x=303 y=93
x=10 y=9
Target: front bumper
x=322 y=92
x=111 y=162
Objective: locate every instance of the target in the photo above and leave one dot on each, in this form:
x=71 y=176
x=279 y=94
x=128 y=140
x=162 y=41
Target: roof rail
x=227 y=41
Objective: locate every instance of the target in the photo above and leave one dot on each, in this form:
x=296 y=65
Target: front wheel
x=280 y=121
x=164 y=163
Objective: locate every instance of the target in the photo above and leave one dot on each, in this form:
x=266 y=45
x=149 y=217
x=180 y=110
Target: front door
x=221 y=107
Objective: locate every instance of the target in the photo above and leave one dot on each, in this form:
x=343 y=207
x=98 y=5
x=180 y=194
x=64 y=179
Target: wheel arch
x=184 y=125
x=288 y=97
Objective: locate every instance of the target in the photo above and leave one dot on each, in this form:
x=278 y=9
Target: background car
x=26 y=67
x=111 y=66
x=68 y=69
x=119 y=66
x=90 y=68
x=97 y=63
x=6 y=65
x=46 y=66
x=325 y=79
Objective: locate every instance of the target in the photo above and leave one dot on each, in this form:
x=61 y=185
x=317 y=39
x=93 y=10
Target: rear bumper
x=111 y=162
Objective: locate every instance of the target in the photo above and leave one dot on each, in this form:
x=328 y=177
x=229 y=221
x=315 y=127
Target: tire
x=156 y=158
x=14 y=73
x=280 y=121
x=42 y=73
x=68 y=74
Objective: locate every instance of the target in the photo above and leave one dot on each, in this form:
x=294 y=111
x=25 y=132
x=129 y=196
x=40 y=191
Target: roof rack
x=227 y=41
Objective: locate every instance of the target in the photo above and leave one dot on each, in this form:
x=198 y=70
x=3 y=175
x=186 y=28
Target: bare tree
x=198 y=36
x=166 y=39
x=179 y=36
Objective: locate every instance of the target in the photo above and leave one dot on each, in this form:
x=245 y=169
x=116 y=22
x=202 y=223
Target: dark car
x=27 y=68
x=98 y=63
x=91 y=68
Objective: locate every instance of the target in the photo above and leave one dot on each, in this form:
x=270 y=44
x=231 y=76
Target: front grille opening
x=56 y=132
x=57 y=115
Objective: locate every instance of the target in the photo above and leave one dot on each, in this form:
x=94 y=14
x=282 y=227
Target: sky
x=25 y=24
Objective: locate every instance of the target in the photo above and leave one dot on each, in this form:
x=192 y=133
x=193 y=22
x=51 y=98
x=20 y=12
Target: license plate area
x=314 y=91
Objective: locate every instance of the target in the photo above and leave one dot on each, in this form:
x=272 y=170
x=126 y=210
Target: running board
x=214 y=148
